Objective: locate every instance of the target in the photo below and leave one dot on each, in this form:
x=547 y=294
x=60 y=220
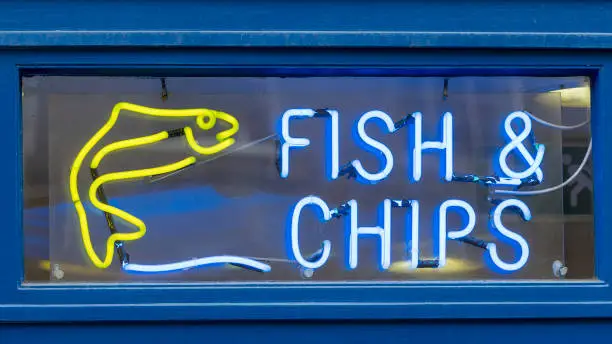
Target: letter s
x=374 y=146
x=505 y=233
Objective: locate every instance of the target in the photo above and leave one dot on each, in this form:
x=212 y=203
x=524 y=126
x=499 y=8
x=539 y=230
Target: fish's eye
x=206 y=121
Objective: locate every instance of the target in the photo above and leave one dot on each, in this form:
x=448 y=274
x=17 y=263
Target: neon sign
x=205 y=120
x=531 y=175
x=348 y=212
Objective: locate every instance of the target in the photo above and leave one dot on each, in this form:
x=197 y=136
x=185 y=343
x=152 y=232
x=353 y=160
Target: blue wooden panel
x=473 y=332
x=296 y=301
x=339 y=23
x=571 y=38
x=309 y=15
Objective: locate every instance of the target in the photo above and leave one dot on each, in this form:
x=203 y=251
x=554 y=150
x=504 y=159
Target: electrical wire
x=558 y=126
x=155 y=179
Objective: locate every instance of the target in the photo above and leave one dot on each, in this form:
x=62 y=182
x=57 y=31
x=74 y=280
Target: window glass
x=246 y=179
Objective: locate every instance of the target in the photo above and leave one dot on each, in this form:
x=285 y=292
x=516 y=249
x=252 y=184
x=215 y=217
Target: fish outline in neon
x=205 y=120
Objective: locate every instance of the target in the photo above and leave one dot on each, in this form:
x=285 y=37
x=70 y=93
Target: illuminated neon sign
x=531 y=175
x=205 y=119
x=381 y=231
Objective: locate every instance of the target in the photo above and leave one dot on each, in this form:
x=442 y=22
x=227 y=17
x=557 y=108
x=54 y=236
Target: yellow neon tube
x=206 y=150
x=138 y=223
x=140 y=141
x=226 y=134
x=205 y=119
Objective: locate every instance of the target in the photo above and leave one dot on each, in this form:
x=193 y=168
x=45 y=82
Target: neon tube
x=420 y=146
x=379 y=148
x=384 y=233
x=287 y=141
x=516 y=143
x=133 y=220
x=140 y=141
x=294 y=237
x=205 y=119
x=517 y=239
x=193 y=263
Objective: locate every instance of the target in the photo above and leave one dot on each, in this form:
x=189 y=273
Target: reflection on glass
x=342 y=178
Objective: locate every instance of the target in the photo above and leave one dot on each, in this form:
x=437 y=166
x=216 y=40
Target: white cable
x=557 y=126
x=252 y=143
x=552 y=188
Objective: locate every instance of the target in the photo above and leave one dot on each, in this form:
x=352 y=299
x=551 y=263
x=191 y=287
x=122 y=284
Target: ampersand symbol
x=516 y=142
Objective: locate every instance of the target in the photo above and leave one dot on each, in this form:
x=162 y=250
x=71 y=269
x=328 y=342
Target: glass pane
x=305 y=179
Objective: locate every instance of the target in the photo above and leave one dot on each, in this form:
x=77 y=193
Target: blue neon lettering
x=311 y=262
x=531 y=175
x=384 y=233
x=419 y=146
x=363 y=175
x=443 y=233
x=414 y=244
x=288 y=142
x=516 y=142
x=334 y=156
x=498 y=227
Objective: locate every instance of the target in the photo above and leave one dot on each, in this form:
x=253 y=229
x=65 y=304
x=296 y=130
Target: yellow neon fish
x=205 y=119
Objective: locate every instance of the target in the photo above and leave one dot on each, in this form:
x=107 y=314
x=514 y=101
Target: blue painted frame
x=293 y=300
x=551 y=24
x=555 y=37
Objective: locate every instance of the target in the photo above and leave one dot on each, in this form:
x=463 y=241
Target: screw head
x=307 y=273
x=559 y=269
x=57 y=272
